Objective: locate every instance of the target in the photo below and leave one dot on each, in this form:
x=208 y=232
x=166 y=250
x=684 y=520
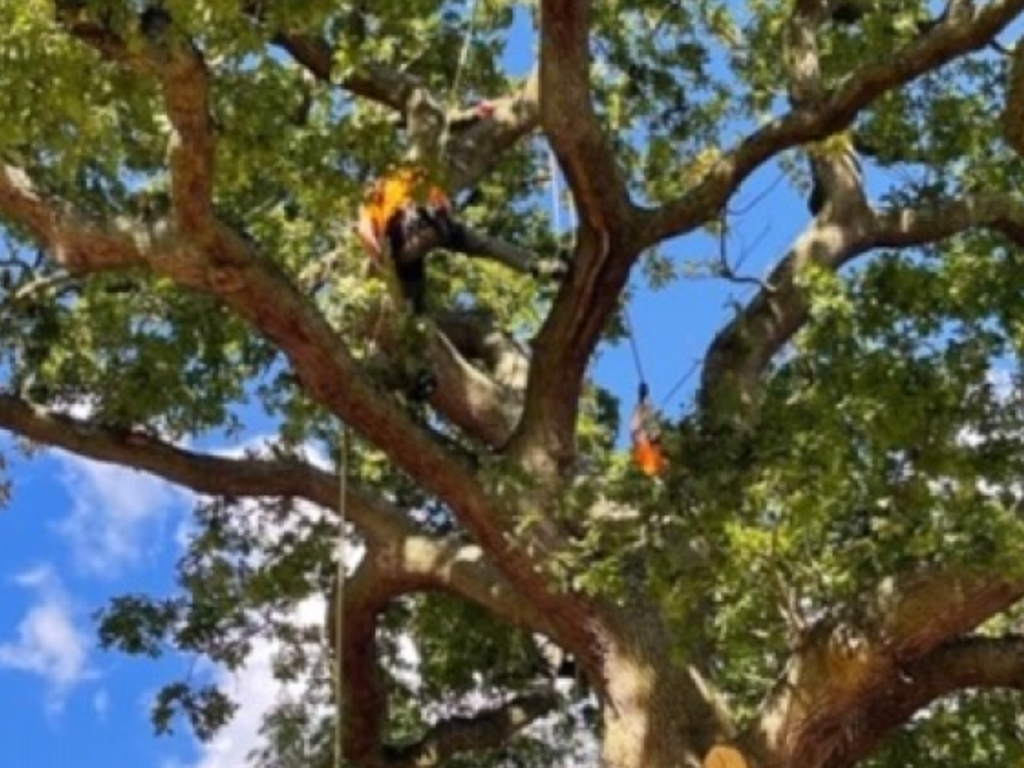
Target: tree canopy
x=831 y=571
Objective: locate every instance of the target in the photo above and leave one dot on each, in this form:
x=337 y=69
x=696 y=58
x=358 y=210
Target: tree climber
x=405 y=217
x=401 y=220
x=645 y=433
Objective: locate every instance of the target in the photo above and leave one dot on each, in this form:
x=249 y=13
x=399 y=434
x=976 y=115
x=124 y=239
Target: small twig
x=42 y=284
x=723 y=269
x=758 y=198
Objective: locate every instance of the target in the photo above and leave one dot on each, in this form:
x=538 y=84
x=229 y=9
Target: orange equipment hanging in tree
x=644 y=428
x=646 y=436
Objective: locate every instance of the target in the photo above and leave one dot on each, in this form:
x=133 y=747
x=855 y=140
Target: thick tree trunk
x=645 y=725
x=657 y=713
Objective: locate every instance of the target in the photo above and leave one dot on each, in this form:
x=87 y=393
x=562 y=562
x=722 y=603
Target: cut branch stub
x=1013 y=114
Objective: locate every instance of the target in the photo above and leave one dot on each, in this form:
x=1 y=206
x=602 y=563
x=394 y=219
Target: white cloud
x=253 y=686
x=1002 y=380
x=48 y=643
x=116 y=514
x=256 y=691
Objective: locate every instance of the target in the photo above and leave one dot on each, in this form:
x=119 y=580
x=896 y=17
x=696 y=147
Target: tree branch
x=835 y=169
x=390 y=569
x=192 y=149
x=181 y=70
x=374 y=82
x=363 y=705
x=832 y=113
x=202 y=473
x=476 y=336
x=487 y=729
x=730 y=390
x=969 y=662
x=416 y=560
x=606 y=245
x=567 y=114
x=478 y=404
x=473 y=149
x=473 y=146
x=933 y=222
x=73 y=241
x=845 y=669
x=739 y=354
x=801 y=55
x=1013 y=112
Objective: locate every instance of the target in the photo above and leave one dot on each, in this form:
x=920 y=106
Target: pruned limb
x=1013 y=113
x=846 y=670
x=475 y=147
x=972 y=662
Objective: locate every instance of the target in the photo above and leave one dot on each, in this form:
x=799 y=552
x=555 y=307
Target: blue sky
x=76 y=534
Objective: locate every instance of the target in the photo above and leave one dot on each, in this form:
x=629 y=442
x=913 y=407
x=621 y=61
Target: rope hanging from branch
x=339 y=597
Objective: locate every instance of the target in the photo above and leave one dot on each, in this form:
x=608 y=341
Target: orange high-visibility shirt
x=389 y=196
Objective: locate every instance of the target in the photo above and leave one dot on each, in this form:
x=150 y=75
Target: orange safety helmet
x=390 y=196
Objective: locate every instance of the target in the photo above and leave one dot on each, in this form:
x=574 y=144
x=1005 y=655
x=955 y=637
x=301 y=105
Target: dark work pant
x=412 y=234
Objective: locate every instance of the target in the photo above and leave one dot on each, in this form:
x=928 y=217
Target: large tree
x=831 y=570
